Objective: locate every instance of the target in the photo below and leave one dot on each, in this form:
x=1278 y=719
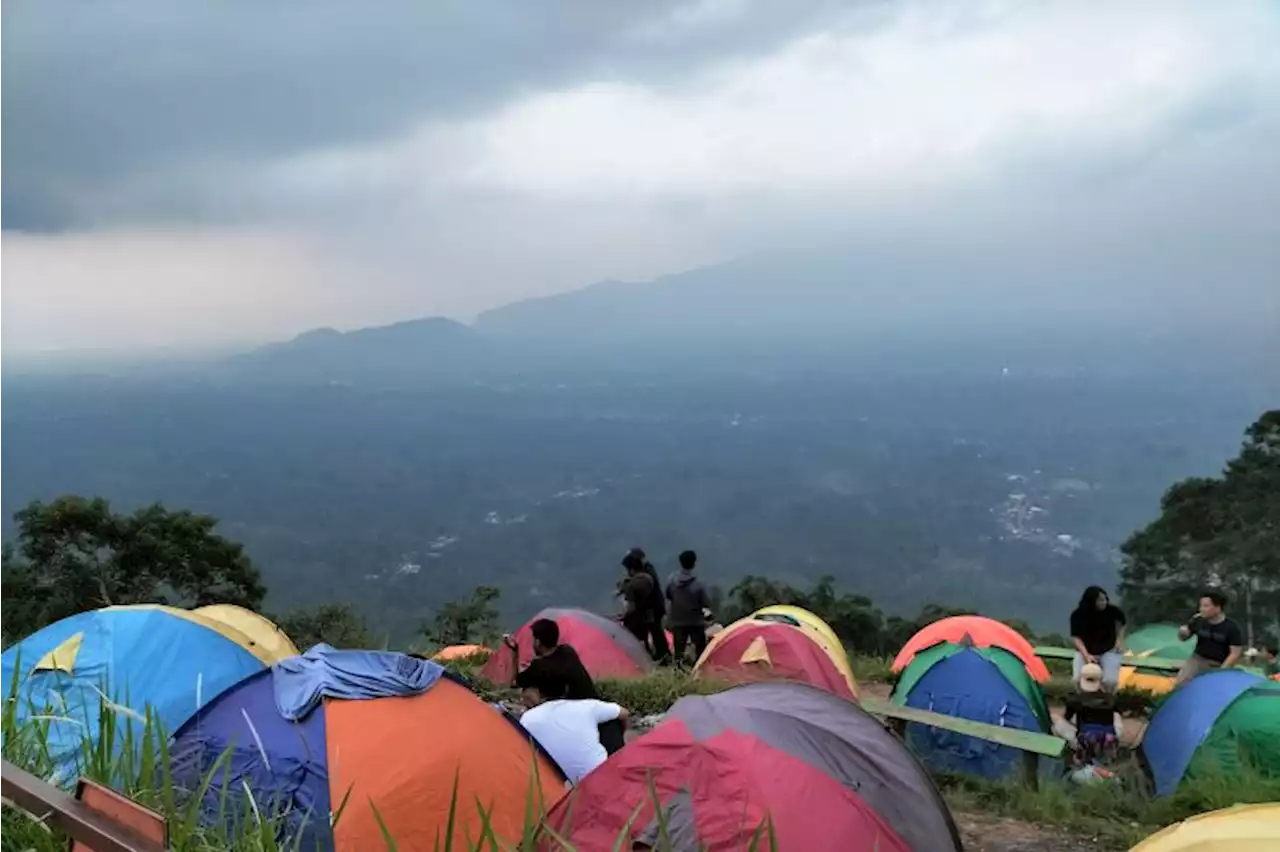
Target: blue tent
x=167 y=661
x=981 y=684
x=1216 y=721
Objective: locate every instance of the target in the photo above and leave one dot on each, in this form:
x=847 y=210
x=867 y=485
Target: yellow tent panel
x=260 y=630
x=757 y=652
x=1248 y=828
x=462 y=652
x=63 y=657
x=1132 y=678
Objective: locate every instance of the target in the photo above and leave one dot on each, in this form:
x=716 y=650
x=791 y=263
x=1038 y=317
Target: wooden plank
x=1028 y=741
x=76 y=819
x=1049 y=652
x=121 y=810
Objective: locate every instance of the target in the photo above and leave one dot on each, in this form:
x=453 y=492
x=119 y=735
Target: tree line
x=76 y=553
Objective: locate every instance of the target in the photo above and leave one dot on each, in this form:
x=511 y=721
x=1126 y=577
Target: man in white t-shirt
x=569 y=730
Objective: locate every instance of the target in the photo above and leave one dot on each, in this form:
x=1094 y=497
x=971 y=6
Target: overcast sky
x=233 y=170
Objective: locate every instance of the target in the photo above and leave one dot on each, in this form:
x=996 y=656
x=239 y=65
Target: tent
x=606 y=648
x=1213 y=724
x=983 y=632
x=815 y=627
x=462 y=652
x=1157 y=641
x=389 y=757
x=982 y=684
x=751 y=649
x=1244 y=828
x=258 y=631
x=170 y=661
x=822 y=772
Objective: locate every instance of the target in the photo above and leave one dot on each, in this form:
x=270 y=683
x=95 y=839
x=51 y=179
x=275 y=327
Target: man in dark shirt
x=658 y=647
x=557 y=670
x=1219 y=640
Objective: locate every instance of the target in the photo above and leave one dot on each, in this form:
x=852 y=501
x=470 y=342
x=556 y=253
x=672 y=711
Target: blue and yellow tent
x=145 y=658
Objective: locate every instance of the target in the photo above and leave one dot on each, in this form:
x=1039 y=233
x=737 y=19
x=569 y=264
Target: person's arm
x=606 y=711
x=1184 y=632
x=509 y=642
x=1235 y=642
x=1121 y=624
x=1076 y=630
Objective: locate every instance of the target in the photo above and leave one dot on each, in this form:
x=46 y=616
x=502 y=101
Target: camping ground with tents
x=213 y=718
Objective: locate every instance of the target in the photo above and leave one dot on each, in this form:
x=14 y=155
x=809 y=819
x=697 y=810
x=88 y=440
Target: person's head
x=1212 y=603
x=539 y=693
x=1094 y=597
x=688 y=559
x=1090 y=678
x=633 y=561
x=1270 y=651
x=546 y=636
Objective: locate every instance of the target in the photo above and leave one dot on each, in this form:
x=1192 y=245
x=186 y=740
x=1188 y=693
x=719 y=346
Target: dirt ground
x=988 y=833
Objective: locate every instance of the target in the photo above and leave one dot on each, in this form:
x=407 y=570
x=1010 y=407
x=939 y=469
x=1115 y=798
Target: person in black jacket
x=657 y=643
x=689 y=606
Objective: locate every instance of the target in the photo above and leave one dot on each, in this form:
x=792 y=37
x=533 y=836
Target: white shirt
x=567 y=730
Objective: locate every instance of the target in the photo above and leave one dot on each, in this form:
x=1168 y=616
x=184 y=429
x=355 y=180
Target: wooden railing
x=90 y=828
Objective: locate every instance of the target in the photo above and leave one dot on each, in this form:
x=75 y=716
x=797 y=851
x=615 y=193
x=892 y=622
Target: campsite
x=213 y=719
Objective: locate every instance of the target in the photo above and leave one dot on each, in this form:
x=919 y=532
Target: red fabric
x=794 y=656
x=599 y=653
x=982 y=632
x=736 y=783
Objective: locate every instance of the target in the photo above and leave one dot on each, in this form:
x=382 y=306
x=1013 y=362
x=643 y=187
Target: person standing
x=557 y=669
x=689 y=606
x=637 y=592
x=1097 y=631
x=658 y=647
x=1219 y=640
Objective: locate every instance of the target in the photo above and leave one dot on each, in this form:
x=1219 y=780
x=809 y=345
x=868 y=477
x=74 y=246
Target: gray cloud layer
x=344 y=163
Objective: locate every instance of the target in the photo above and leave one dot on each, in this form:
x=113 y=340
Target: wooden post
x=104 y=823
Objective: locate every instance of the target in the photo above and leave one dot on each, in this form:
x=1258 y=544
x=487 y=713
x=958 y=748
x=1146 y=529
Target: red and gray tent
x=817 y=771
x=606 y=648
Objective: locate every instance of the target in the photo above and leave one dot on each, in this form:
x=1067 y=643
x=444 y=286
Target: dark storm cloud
x=96 y=94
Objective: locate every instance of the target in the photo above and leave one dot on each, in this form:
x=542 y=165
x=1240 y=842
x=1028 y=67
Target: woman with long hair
x=1097 y=631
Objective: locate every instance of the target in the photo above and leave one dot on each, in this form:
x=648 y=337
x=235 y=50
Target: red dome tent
x=817 y=771
x=982 y=632
x=606 y=648
x=753 y=650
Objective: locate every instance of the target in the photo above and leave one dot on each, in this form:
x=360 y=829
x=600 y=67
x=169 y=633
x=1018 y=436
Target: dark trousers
x=611 y=736
x=659 y=638
x=682 y=636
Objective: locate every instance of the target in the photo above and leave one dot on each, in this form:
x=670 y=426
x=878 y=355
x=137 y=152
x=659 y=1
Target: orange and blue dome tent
x=805 y=769
x=141 y=659
x=1244 y=828
x=343 y=743
x=755 y=649
x=973 y=630
x=606 y=648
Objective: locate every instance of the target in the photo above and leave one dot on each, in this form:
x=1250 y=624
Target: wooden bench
x=1033 y=745
x=1155 y=664
x=86 y=823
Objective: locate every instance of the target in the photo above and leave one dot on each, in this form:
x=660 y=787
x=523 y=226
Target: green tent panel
x=1160 y=641
x=1248 y=731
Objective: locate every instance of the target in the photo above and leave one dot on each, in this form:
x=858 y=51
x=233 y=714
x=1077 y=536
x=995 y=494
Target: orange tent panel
x=462 y=652
x=980 y=631
x=402 y=756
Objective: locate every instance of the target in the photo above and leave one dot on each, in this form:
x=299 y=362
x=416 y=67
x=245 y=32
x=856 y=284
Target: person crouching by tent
x=569 y=730
x=557 y=670
x=1091 y=710
x=689 y=605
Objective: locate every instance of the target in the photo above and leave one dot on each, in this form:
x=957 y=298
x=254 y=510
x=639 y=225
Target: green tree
x=75 y=554
x=337 y=624
x=1222 y=531
x=467 y=622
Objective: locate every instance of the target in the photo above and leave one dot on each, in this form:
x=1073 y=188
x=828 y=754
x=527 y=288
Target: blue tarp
x=324 y=671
